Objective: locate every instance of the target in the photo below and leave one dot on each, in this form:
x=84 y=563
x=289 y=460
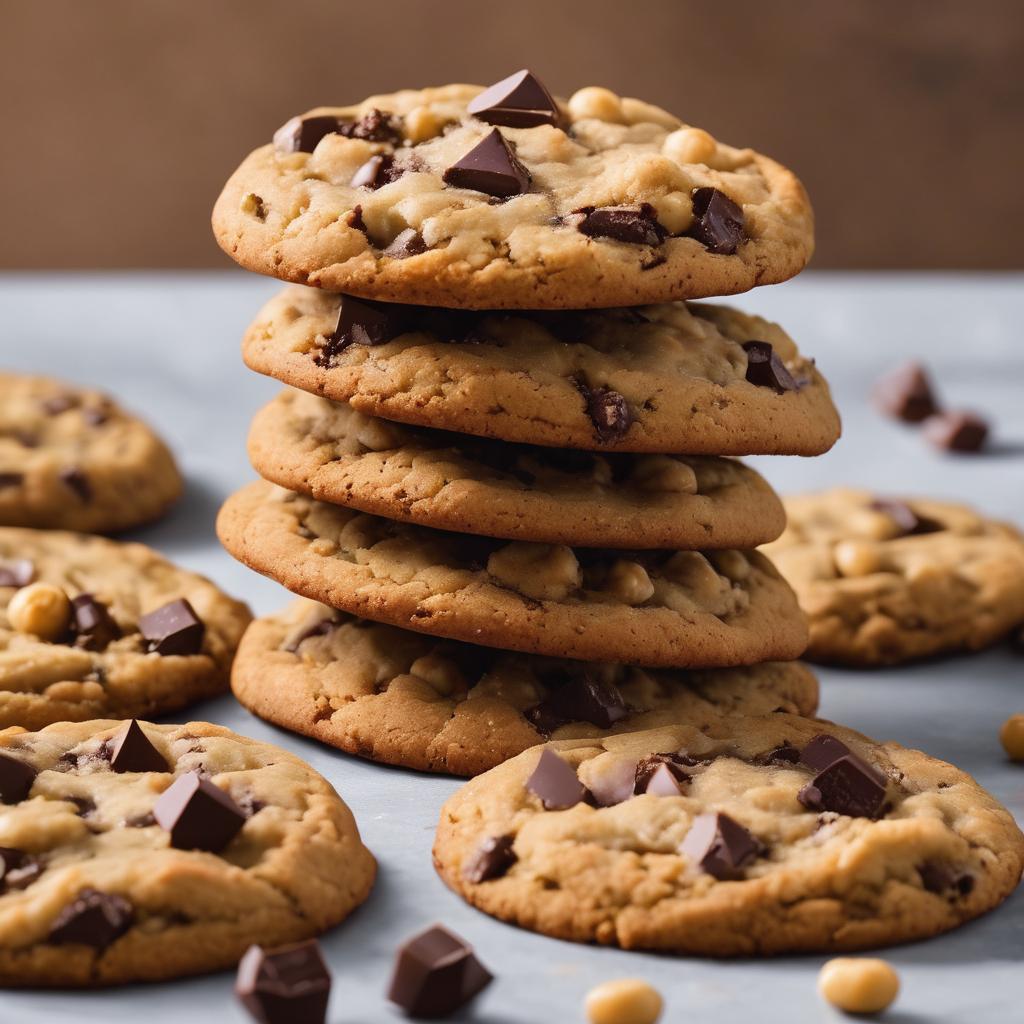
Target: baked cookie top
x=661 y=608
x=556 y=496
x=71 y=458
x=885 y=580
x=140 y=852
x=678 y=378
x=438 y=705
x=90 y=627
x=422 y=196
x=745 y=836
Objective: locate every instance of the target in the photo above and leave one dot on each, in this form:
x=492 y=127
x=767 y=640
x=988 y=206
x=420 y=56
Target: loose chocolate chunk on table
x=492 y=860
x=94 y=627
x=956 y=431
x=519 y=101
x=766 y=369
x=490 y=167
x=290 y=985
x=718 y=222
x=93 y=918
x=638 y=225
x=132 y=752
x=554 y=783
x=198 y=814
x=721 y=846
x=173 y=628
x=16 y=778
x=906 y=394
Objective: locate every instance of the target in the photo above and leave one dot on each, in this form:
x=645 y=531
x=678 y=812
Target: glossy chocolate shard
x=582 y=698
x=493 y=859
x=637 y=225
x=16 y=778
x=849 y=786
x=490 y=167
x=290 y=985
x=956 y=431
x=823 y=750
x=766 y=369
x=906 y=394
x=363 y=322
x=94 y=627
x=302 y=134
x=721 y=846
x=174 y=628
x=198 y=814
x=93 y=918
x=18 y=573
x=519 y=101
x=133 y=752
x=669 y=769
x=718 y=222
x=554 y=783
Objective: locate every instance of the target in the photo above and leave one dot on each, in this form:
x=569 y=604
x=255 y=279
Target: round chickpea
x=41 y=609
x=689 y=146
x=594 y=101
x=1011 y=735
x=858 y=984
x=623 y=1001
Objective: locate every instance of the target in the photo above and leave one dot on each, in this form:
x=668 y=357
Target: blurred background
x=122 y=118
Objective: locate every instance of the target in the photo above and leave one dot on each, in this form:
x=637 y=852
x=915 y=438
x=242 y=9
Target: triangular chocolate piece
x=133 y=752
x=16 y=779
x=490 y=167
x=519 y=101
x=721 y=846
x=766 y=369
x=555 y=783
x=198 y=814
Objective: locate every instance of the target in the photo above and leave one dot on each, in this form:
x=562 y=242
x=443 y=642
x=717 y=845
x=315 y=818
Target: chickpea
x=623 y=1001
x=596 y=102
x=41 y=609
x=689 y=146
x=858 y=984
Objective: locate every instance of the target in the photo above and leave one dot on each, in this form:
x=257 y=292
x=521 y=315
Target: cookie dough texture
x=454 y=482
x=72 y=459
x=877 y=596
x=296 y=868
x=43 y=682
x=290 y=215
x=680 y=368
x=437 y=705
x=615 y=875
x=659 y=609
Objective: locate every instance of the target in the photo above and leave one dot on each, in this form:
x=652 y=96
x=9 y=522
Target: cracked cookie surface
x=72 y=459
x=84 y=831
x=438 y=705
x=621 y=869
x=329 y=451
x=366 y=209
x=886 y=580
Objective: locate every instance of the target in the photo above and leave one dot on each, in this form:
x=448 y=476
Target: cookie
x=139 y=852
x=680 y=379
x=886 y=580
x=418 y=197
x=91 y=627
x=72 y=459
x=442 y=706
x=750 y=836
x=470 y=485
x=663 y=608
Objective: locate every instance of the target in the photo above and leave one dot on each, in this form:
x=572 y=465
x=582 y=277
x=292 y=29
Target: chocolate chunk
x=93 y=918
x=290 y=985
x=355 y=219
x=662 y=782
x=379 y=170
x=664 y=771
x=84 y=805
x=717 y=221
x=11 y=480
x=941 y=878
x=405 y=244
x=823 y=750
x=784 y=754
x=435 y=974
x=555 y=783
x=78 y=482
x=376 y=126
x=198 y=814
x=16 y=778
x=59 y=403
x=608 y=411
x=363 y=322
x=94 y=627
x=638 y=225
x=721 y=846
x=766 y=369
x=519 y=101
x=19 y=573
x=174 y=628
x=907 y=521
x=906 y=394
x=848 y=786
x=133 y=752
x=492 y=860
x=580 y=699
x=956 y=431
x=318 y=627
x=490 y=167
x=301 y=134
x=17 y=869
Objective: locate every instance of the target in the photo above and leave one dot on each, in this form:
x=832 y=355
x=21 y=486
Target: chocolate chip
x=664 y=771
x=405 y=244
x=941 y=878
x=93 y=918
x=519 y=101
x=555 y=783
x=198 y=814
x=717 y=221
x=608 y=411
x=78 y=482
x=290 y=985
x=16 y=778
x=848 y=786
x=379 y=170
x=174 y=628
x=132 y=751
x=17 y=869
x=376 y=126
x=956 y=431
x=93 y=626
x=907 y=521
x=823 y=750
x=301 y=134
x=59 y=403
x=19 y=573
x=580 y=699
x=784 y=754
x=363 y=322
x=490 y=167
x=11 y=480
x=637 y=225
x=721 y=846
x=492 y=860
x=435 y=974
x=766 y=369
x=355 y=219
x=906 y=394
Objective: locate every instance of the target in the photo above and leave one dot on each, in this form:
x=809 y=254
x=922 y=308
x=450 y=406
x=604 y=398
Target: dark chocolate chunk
x=301 y=134
x=84 y=805
x=17 y=869
x=906 y=394
x=11 y=480
x=519 y=101
x=355 y=219
x=290 y=985
x=717 y=221
x=376 y=126
x=956 y=431
x=363 y=322
x=60 y=403
x=379 y=170
x=16 y=778
x=174 y=628
x=848 y=786
x=664 y=771
x=492 y=860
x=132 y=751
x=18 y=573
x=766 y=369
x=93 y=918
x=580 y=699
x=78 y=482
x=198 y=814
x=555 y=783
x=784 y=754
x=94 y=627
x=662 y=782
x=608 y=411
x=907 y=521
x=638 y=225
x=405 y=244
x=435 y=974
x=490 y=167
x=941 y=878
x=823 y=750
x=721 y=846
x=319 y=627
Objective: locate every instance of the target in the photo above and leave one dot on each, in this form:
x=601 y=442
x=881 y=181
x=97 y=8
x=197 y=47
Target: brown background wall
x=905 y=118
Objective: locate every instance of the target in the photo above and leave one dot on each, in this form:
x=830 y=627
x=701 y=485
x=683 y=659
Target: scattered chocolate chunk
x=608 y=411
x=555 y=783
x=363 y=322
x=519 y=101
x=133 y=752
x=638 y=225
x=17 y=869
x=490 y=167
x=766 y=369
x=379 y=170
x=16 y=778
x=11 y=480
x=664 y=771
x=717 y=221
x=198 y=814
x=94 y=627
x=301 y=134
x=848 y=786
x=941 y=878
x=956 y=431
x=580 y=699
x=19 y=573
x=721 y=846
x=93 y=918
x=435 y=974
x=173 y=628
x=78 y=482
x=290 y=985
x=906 y=394
x=823 y=750
x=405 y=244
x=492 y=860
x=57 y=404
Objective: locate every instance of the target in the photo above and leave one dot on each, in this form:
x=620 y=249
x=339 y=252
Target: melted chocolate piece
x=906 y=519
x=379 y=170
x=11 y=480
x=941 y=878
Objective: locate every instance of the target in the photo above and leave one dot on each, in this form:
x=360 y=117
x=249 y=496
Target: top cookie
x=510 y=199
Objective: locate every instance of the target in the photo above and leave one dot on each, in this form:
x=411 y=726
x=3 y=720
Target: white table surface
x=167 y=345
